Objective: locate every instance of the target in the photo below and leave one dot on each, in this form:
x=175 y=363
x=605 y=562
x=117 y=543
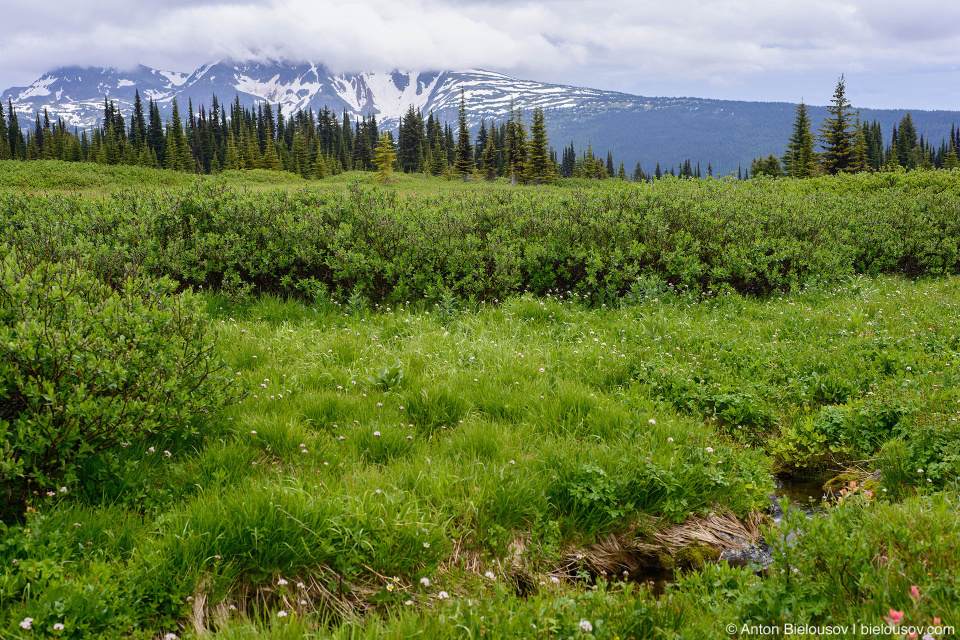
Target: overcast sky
x=893 y=54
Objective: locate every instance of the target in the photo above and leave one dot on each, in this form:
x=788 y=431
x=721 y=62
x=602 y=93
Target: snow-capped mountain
x=77 y=94
x=724 y=133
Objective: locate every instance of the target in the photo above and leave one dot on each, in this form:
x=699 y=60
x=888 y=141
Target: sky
x=891 y=56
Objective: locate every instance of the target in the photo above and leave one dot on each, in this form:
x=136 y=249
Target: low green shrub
x=86 y=370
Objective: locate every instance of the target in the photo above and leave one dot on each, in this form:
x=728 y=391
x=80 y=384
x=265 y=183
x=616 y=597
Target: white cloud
x=761 y=48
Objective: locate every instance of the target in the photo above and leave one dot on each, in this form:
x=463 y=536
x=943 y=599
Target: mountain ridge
x=725 y=133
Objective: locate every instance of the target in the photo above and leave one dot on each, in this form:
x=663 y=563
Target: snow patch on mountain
x=309 y=85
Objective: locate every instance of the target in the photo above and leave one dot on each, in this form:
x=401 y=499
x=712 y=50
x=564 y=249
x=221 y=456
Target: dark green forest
x=315 y=145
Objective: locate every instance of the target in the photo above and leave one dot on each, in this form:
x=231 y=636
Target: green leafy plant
x=86 y=369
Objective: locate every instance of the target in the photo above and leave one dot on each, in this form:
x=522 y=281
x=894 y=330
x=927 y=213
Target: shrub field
x=530 y=413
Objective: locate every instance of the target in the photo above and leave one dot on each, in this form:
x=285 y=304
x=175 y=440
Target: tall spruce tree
x=463 y=164
x=798 y=161
x=836 y=138
x=538 y=168
x=5 y=152
x=18 y=146
x=907 y=143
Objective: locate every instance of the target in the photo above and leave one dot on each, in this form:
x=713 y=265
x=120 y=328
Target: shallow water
x=805 y=495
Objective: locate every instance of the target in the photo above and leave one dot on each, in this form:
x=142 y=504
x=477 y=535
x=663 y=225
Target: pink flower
x=894 y=618
x=914 y=592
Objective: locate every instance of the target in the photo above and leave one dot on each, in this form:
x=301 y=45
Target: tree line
x=850 y=146
x=307 y=143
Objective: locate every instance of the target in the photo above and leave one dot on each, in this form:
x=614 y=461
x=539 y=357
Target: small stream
x=806 y=496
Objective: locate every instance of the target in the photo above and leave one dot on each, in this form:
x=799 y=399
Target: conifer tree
x=538 y=167
x=860 y=158
x=835 y=135
x=463 y=165
x=798 y=161
x=482 y=138
x=438 y=153
x=5 y=153
x=231 y=157
x=489 y=162
x=907 y=143
x=384 y=157
x=155 y=139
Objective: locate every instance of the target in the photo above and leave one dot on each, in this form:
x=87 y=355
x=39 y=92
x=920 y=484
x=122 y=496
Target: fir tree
x=860 y=160
x=798 y=161
x=835 y=135
x=18 y=146
x=5 y=152
x=384 y=157
x=489 y=162
x=463 y=165
x=907 y=143
x=538 y=168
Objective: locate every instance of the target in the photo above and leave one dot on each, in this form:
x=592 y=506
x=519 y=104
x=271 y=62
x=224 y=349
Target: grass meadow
x=530 y=467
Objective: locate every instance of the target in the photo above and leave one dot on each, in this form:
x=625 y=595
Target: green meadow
x=450 y=424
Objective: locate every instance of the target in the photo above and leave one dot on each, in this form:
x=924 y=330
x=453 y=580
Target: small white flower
x=281 y=614
x=300 y=585
x=426 y=545
x=151 y=450
x=63 y=489
x=490 y=575
x=390 y=586
x=443 y=595
x=376 y=433
x=408 y=602
x=170 y=636
x=554 y=580
x=709 y=449
x=669 y=439
x=58 y=626
x=919 y=470
x=253 y=433
x=585 y=626
x=167 y=454
x=51 y=494
x=281 y=582
x=425 y=581
x=652 y=421
x=26 y=623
